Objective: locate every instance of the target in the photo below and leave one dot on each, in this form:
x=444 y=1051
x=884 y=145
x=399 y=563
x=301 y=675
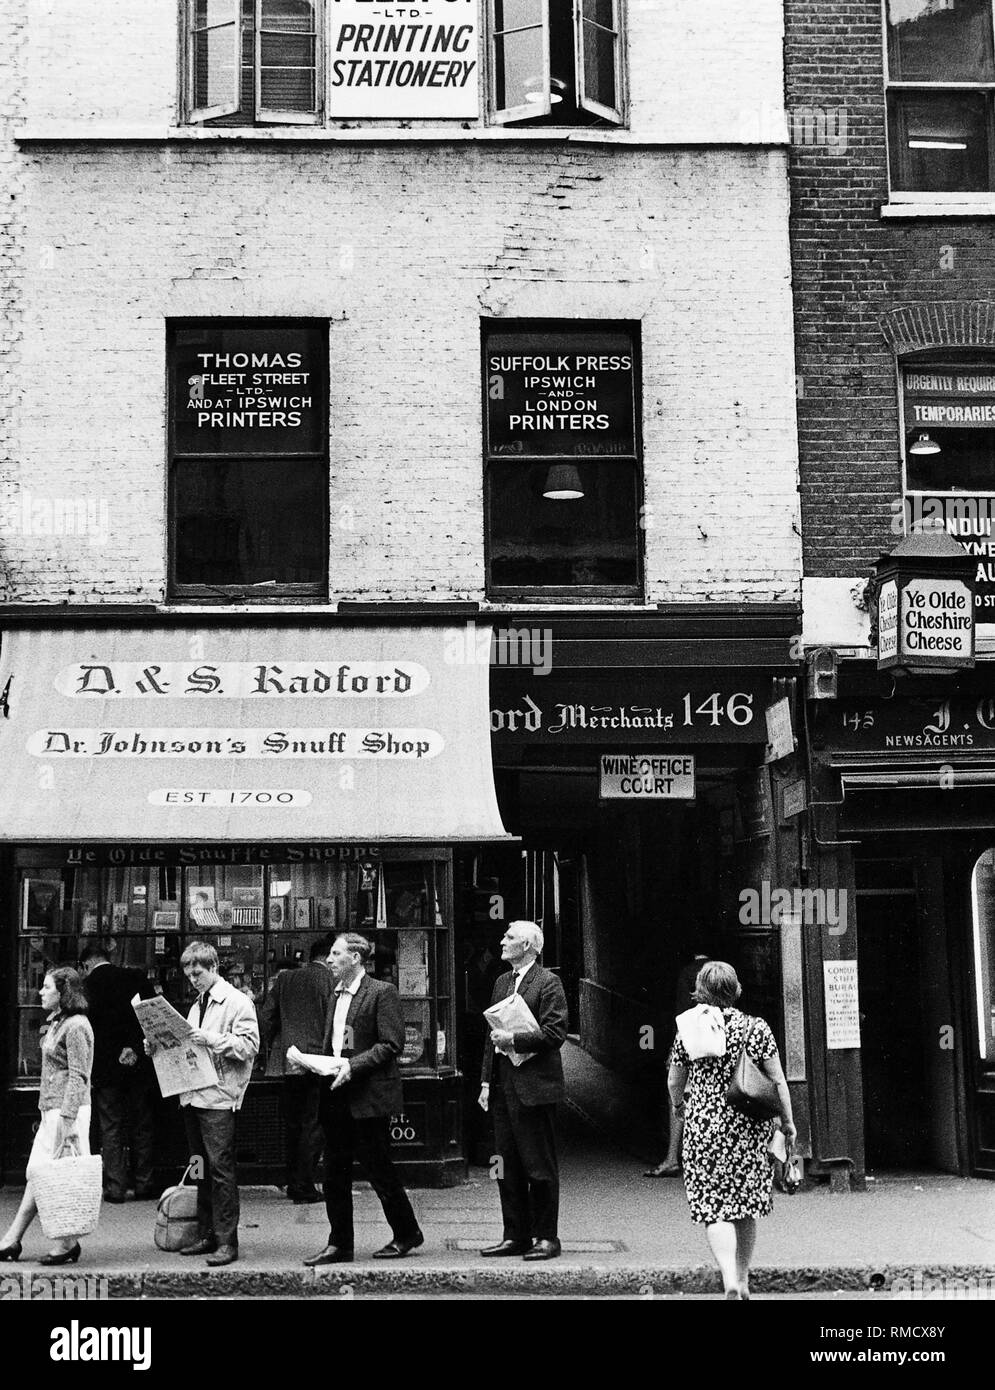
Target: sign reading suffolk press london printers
x=418 y=59
x=560 y=394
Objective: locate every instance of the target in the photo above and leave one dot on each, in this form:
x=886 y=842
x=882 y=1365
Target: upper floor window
x=254 y=61
x=941 y=90
x=248 y=478
x=554 y=62
x=563 y=478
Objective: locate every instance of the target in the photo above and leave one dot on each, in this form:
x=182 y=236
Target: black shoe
x=331 y=1255
x=508 y=1247
x=224 y=1255
x=108 y=1198
x=11 y=1252
x=147 y=1194
x=205 y=1246
x=543 y=1250
x=305 y=1198
x=65 y=1257
x=394 y=1249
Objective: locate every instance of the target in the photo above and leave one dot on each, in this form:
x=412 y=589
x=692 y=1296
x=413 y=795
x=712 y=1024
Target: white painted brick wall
x=404 y=249
x=697 y=71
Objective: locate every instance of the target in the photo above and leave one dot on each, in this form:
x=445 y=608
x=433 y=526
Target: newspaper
x=313 y=1061
x=514 y=1016
x=180 y=1065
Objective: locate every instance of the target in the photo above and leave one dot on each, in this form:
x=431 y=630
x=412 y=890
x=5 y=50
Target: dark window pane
x=214 y=68
x=965 y=463
x=940 y=41
x=600 y=12
x=259 y=521
x=599 y=65
x=208 y=13
x=287 y=76
x=292 y=15
x=939 y=144
x=536 y=542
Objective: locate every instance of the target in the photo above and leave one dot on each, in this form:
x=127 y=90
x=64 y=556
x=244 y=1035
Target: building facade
x=892 y=196
x=414 y=377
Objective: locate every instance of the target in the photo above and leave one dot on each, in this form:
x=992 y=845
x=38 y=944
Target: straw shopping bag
x=67 y=1189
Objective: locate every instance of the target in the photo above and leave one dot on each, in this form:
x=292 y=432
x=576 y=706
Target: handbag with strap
x=751 y=1091
x=176 y=1215
x=67 y=1189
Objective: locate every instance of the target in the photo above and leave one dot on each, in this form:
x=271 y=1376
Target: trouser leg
x=110 y=1105
x=373 y=1151
x=293 y=1117
x=197 y=1150
x=337 y=1129
x=513 y=1184
x=217 y=1129
x=142 y=1134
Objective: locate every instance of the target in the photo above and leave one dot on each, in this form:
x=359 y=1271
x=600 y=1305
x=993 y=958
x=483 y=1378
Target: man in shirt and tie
x=224 y=1021
x=364 y=1029
x=523 y=1100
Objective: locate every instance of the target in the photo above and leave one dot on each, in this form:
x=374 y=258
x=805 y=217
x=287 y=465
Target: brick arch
x=940 y=323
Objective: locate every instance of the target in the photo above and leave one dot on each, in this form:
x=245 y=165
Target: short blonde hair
x=718 y=984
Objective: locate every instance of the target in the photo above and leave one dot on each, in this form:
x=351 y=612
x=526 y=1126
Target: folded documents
x=314 y=1061
x=702 y=1030
x=513 y=1015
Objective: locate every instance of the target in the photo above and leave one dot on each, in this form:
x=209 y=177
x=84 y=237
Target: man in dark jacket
x=523 y=1100
x=364 y=1032
x=294 y=1012
x=122 y=1078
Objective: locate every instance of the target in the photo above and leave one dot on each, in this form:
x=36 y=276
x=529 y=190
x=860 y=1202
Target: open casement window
x=255 y=61
x=941 y=95
x=555 y=62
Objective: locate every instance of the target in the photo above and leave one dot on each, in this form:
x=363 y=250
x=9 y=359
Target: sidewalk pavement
x=622 y=1234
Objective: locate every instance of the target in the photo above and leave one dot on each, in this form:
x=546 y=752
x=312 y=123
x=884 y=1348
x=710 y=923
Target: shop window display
x=261 y=918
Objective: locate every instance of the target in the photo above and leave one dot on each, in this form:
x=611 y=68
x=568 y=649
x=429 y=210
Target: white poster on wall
x=842 y=1005
x=403 y=61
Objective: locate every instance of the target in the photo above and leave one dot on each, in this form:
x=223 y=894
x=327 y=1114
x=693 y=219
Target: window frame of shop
x=567 y=69
x=937 y=363
x=232 y=111
x=493 y=458
x=209 y=592
x=904 y=94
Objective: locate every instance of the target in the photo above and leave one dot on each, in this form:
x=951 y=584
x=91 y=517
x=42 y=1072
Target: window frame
x=557 y=593
x=535 y=111
x=260 y=116
x=205 y=593
x=938 y=359
x=896 y=119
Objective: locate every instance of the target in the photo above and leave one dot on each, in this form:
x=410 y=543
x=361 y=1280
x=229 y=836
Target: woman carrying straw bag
x=64 y=1101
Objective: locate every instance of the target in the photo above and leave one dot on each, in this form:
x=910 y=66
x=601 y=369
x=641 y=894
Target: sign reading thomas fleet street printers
x=636 y=777
x=560 y=393
x=418 y=59
x=352 y=734
x=248 y=390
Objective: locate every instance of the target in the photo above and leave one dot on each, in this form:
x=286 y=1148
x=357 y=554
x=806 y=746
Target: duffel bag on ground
x=176 y=1215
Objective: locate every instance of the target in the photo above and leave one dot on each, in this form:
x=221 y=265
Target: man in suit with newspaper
x=522 y=1099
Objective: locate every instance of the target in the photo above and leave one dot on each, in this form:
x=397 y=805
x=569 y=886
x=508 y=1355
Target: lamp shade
x=563 y=483
x=924 y=444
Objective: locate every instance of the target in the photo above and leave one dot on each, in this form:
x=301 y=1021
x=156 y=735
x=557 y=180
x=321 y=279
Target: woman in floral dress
x=727 y=1175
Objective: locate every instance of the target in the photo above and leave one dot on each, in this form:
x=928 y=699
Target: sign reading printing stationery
x=419 y=59
x=340 y=734
x=560 y=393
x=842 y=1004
x=248 y=390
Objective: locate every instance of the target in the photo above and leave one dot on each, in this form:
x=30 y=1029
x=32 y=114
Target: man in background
x=293 y=1014
x=122 y=1080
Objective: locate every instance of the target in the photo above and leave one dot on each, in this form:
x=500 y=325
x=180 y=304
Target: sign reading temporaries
x=560 y=394
x=637 y=777
x=415 y=60
x=248 y=390
x=842 y=1004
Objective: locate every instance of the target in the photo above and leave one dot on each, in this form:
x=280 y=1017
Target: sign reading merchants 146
x=418 y=59
x=248 y=390
x=560 y=393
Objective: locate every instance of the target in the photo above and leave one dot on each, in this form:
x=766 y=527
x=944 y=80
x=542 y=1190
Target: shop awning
x=346 y=734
